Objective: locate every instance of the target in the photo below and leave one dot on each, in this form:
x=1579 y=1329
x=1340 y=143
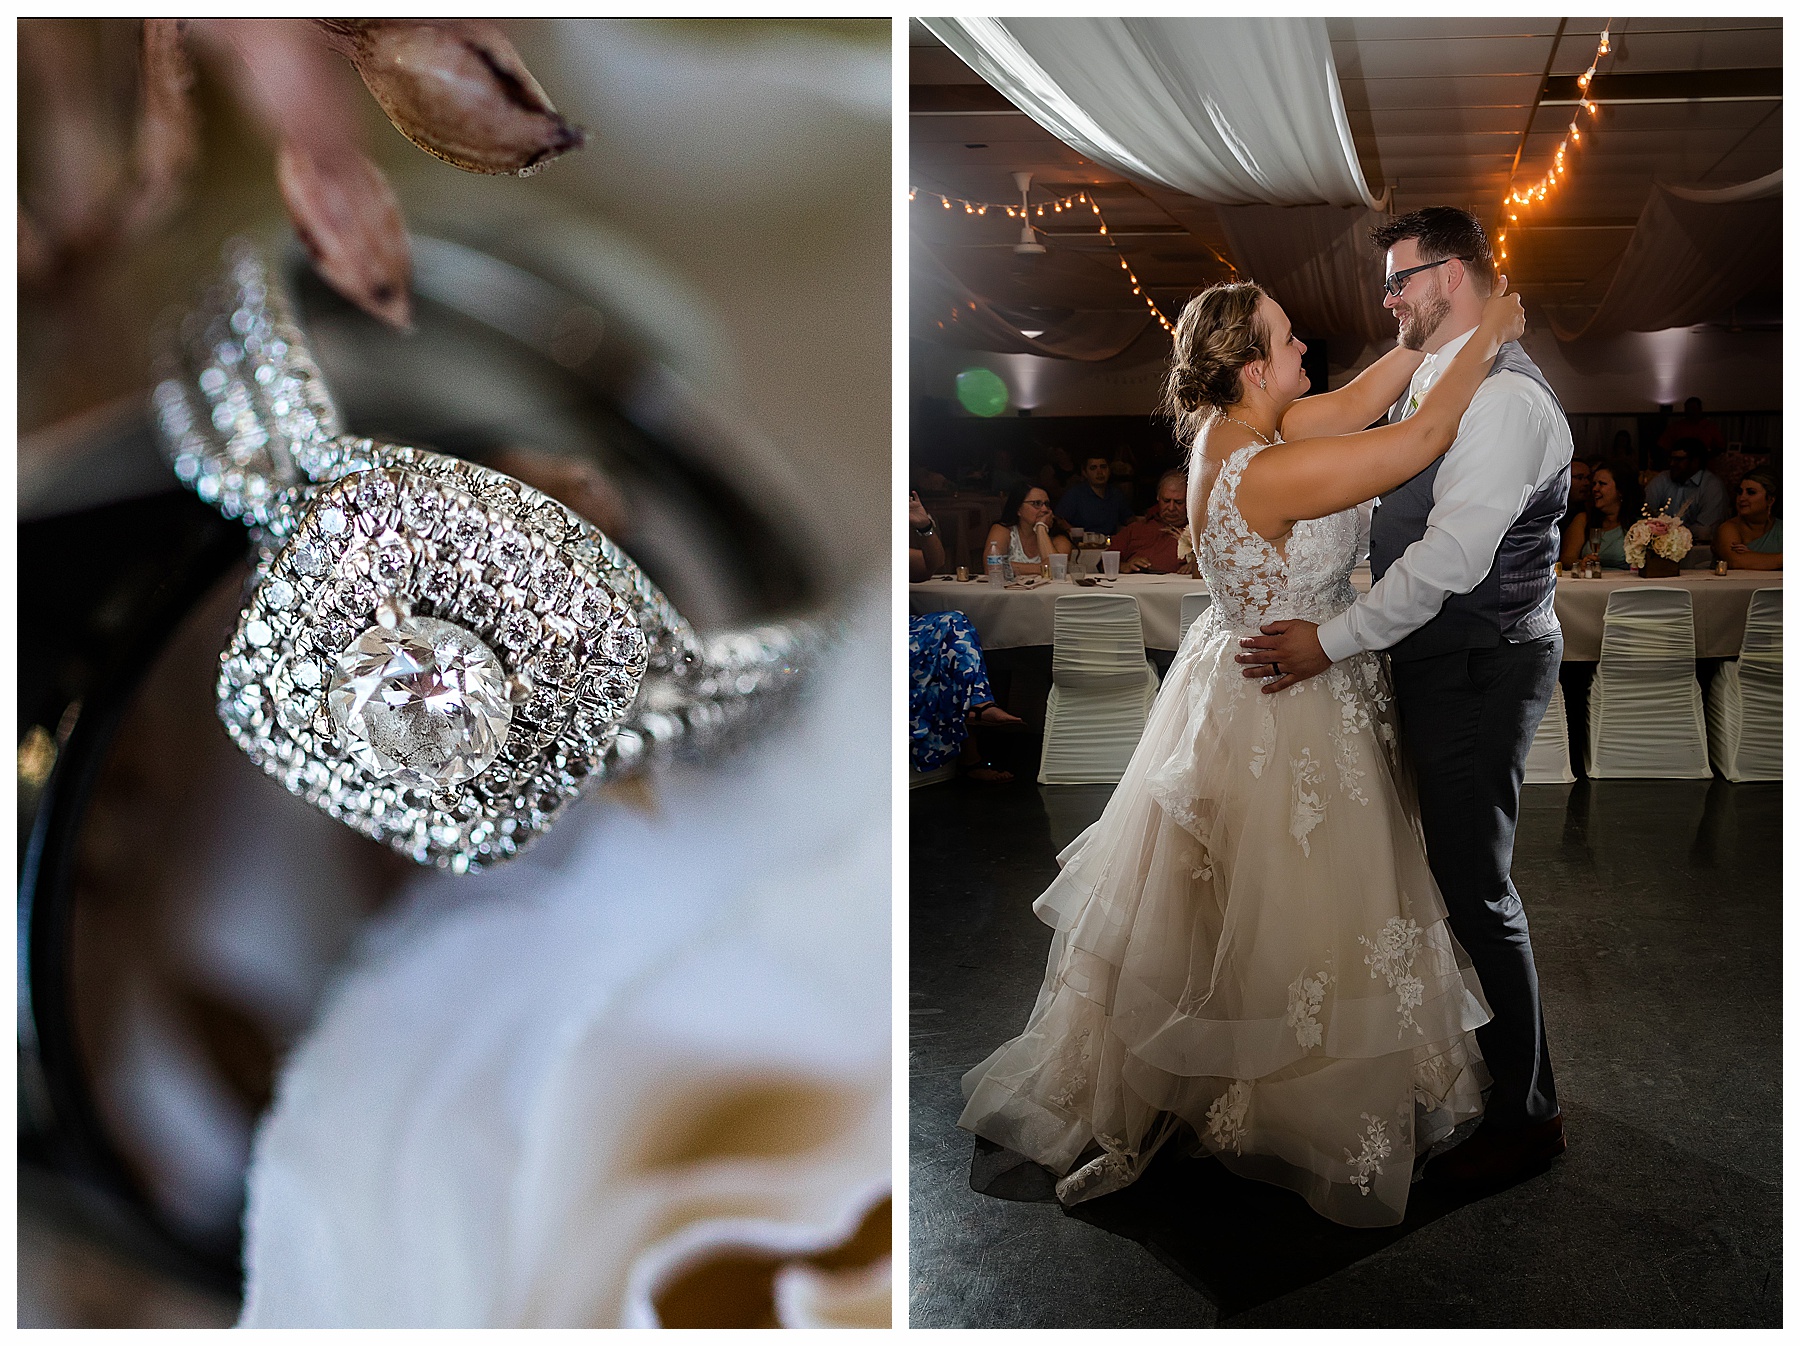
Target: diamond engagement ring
x=433 y=652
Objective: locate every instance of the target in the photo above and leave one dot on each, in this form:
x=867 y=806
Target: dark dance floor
x=1656 y=919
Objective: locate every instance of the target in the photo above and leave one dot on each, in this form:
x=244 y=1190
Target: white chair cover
x=1645 y=716
x=1743 y=705
x=1192 y=606
x=1100 y=693
x=942 y=772
x=1548 y=761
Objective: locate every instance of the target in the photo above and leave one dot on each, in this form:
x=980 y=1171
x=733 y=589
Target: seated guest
x=1090 y=503
x=949 y=693
x=1055 y=470
x=1026 y=533
x=1751 y=540
x=1149 y=545
x=925 y=558
x=1689 y=490
x=1581 y=492
x=1617 y=505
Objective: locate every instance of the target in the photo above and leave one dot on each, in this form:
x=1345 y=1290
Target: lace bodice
x=1253 y=580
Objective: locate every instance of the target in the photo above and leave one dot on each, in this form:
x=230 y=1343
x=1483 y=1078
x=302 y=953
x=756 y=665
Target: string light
x=1057 y=206
x=1558 y=173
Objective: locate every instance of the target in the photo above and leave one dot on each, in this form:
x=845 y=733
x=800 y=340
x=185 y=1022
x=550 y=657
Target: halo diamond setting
x=402 y=679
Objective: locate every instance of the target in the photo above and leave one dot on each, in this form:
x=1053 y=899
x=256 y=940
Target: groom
x=1463 y=602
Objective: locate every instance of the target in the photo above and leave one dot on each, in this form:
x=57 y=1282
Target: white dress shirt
x=1513 y=439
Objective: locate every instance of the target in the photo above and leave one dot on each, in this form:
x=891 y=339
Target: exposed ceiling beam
x=1667 y=86
x=959 y=100
x=1536 y=103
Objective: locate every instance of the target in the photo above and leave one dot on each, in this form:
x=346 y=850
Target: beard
x=1416 y=330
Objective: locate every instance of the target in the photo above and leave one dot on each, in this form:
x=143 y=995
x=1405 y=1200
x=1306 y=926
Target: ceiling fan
x=1028 y=245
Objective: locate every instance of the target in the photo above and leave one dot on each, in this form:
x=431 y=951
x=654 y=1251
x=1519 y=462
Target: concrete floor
x=1656 y=919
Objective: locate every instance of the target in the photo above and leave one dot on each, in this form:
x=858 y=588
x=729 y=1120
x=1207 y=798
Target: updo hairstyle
x=1217 y=335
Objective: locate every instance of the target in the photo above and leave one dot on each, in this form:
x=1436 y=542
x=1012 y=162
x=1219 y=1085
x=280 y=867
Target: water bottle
x=996 y=564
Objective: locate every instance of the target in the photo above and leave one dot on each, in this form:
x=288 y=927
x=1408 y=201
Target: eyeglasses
x=1397 y=282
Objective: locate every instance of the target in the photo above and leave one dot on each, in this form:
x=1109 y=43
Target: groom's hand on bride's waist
x=1284 y=654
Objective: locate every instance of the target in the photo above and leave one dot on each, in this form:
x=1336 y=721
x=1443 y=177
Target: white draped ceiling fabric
x=1233 y=111
x=1242 y=113
x=977 y=323
x=1694 y=253
x=1318 y=263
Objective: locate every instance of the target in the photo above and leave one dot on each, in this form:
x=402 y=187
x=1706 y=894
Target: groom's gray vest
x=1516 y=599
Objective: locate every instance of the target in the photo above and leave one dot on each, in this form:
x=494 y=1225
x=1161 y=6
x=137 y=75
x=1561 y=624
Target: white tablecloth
x=1010 y=618
x=1721 y=602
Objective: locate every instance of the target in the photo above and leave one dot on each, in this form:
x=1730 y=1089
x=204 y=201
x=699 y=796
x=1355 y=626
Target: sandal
x=988 y=774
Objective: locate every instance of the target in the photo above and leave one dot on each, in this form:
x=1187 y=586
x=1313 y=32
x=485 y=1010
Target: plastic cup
x=1059 y=566
x=1109 y=563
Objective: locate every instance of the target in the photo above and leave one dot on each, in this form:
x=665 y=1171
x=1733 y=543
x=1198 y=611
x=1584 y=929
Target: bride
x=1249 y=944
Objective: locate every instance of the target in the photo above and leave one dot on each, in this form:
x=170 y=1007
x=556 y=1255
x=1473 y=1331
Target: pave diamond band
x=244 y=413
x=433 y=652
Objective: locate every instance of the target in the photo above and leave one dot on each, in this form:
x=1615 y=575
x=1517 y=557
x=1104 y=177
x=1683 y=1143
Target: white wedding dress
x=1249 y=939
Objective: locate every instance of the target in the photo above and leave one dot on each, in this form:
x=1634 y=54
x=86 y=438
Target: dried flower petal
x=457 y=89
x=350 y=223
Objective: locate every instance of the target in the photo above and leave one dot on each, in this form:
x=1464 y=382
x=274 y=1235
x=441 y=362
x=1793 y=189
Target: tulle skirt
x=1248 y=941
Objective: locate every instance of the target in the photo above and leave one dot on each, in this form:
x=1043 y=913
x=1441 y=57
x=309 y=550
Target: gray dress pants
x=1468 y=718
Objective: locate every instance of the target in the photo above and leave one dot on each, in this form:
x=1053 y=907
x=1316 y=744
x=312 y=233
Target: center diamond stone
x=422 y=704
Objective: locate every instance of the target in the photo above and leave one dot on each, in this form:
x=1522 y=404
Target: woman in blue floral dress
x=949 y=677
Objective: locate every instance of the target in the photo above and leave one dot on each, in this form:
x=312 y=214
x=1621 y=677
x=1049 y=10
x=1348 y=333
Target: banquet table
x=1011 y=618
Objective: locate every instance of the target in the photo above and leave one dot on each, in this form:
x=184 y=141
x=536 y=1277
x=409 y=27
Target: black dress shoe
x=1494 y=1157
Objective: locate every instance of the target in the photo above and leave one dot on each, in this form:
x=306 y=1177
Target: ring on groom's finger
x=433 y=652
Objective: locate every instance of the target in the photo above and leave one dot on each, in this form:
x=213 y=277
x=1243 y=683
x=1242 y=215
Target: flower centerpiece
x=1654 y=545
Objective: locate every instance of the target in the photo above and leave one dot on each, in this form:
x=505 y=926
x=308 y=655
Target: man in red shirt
x=1148 y=545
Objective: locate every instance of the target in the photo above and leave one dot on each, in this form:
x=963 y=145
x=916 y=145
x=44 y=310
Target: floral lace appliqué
x=1225 y=1118
x=1375 y=1147
x=1309 y=808
x=1391 y=954
x=1305 y=997
x=1434 y=1077
x=1073 y=1078
x=1253 y=580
